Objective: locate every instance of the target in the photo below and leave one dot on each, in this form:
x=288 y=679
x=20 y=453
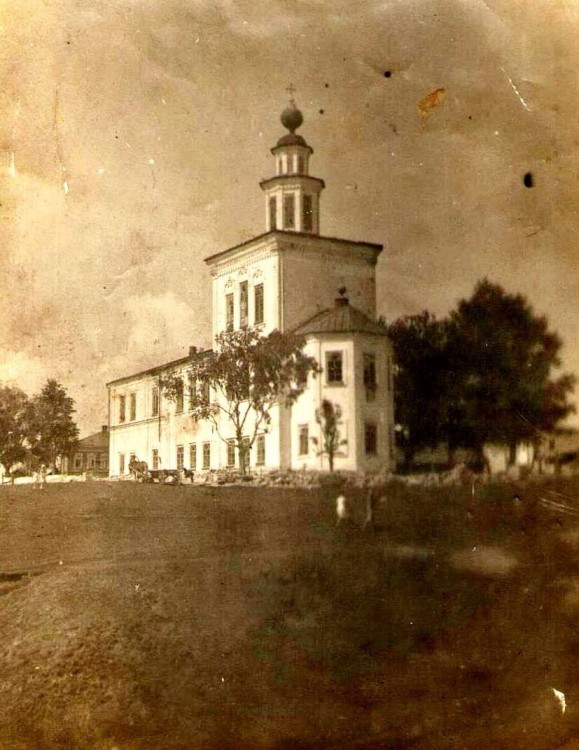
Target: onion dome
x=291 y=118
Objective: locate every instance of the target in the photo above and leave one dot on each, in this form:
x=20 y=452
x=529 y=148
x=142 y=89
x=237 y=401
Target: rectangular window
x=206 y=455
x=370 y=376
x=122 y=408
x=304 y=439
x=133 y=402
x=370 y=439
x=78 y=461
x=230 y=453
x=193 y=456
x=229 y=312
x=308 y=213
x=243 y=304
x=155 y=460
x=121 y=463
x=91 y=463
x=155 y=402
x=272 y=214
x=180 y=457
x=258 y=303
x=334 y=368
x=289 y=210
x=300 y=164
x=104 y=461
x=179 y=397
x=260 y=458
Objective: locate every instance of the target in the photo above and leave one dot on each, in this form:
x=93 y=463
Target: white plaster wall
x=227 y=279
x=311 y=280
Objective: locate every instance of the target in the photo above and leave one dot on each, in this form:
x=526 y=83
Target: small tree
x=13 y=408
x=242 y=380
x=328 y=416
x=51 y=431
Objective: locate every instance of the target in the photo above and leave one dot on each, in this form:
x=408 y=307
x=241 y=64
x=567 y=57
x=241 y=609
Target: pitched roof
x=343 y=318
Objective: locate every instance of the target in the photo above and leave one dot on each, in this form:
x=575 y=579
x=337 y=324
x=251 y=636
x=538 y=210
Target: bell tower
x=292 y=197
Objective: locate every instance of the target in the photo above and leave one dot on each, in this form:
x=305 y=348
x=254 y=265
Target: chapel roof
x=342 y=318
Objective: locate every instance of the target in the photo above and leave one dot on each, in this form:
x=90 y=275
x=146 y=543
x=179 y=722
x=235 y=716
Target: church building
x=293 y=279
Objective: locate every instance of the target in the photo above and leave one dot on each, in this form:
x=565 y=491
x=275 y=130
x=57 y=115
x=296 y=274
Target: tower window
x=243 y=304
x=229 y=310
x=289 y=210
x=272 y=214
x=300 y=165
x=308 y=213
x=370 y=376
x=334 y=368
x=258 y=304
x=370 y=439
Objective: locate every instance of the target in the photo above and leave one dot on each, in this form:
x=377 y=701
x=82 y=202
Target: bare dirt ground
x=144 y=617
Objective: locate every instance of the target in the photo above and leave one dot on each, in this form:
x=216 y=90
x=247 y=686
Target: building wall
x=351 y=397
x=312 y=275
x=258 y=265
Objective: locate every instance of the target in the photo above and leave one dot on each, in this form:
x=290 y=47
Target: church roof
x=342 y=318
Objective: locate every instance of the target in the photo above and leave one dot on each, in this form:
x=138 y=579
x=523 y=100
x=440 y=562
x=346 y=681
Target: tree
x=51 y=430
x=242 y=380
x=420 y=380
x=328 y=416
x=502 y=363
x=13 y=409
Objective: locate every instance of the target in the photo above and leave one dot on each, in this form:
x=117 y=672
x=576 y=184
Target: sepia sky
x=134 y=134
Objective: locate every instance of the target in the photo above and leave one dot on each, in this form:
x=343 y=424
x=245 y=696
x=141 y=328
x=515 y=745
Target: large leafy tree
x=13 y=409
x=51 y=430
x=420 y=382
x=237 y=384
x=488 y=373
x=503 y=369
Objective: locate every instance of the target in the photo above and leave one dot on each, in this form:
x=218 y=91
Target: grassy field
x=144 y=617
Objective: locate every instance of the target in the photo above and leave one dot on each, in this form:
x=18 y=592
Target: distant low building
x=91 y=455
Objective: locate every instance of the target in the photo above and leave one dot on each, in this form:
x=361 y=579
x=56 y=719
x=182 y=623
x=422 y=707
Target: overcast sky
x=135 y=133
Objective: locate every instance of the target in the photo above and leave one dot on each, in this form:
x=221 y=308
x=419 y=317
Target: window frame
x=370 y=429
x=289 y=211
x=260 y=450
x=303 y=439
x=243 y=304
x=258 y=304
x=334 y=354
x=229 y=311
x=206 y=455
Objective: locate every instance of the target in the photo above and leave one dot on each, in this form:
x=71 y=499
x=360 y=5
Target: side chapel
x=290 y=278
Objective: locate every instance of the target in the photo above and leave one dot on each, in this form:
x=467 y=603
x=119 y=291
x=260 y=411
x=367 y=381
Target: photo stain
x=528 y=180
x=387 y=74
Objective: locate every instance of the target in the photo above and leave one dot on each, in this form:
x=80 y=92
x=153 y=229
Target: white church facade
x=292 y=279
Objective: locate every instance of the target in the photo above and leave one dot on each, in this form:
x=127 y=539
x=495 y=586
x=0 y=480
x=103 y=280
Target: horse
x=139 y=469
